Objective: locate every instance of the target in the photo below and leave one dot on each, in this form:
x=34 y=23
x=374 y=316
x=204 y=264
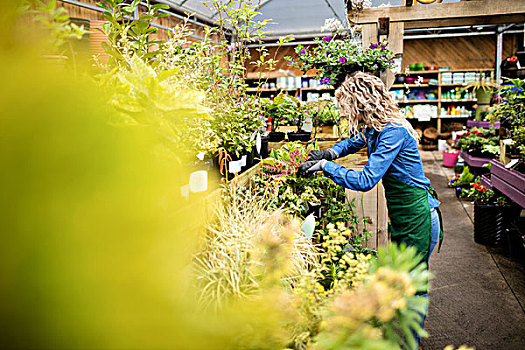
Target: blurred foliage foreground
x=99 y=249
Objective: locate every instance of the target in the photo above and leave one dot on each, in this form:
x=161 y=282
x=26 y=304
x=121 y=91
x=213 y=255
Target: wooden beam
x=462 y=9
x=469 y=21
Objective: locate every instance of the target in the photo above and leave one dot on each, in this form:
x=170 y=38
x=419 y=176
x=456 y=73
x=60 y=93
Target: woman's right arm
x=350 y=146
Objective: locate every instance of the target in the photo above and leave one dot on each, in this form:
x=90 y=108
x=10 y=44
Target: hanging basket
x=339 y=80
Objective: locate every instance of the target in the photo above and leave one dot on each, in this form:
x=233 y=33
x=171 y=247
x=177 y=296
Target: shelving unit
x=297 y=91
x=435 y=74
x=441 y=88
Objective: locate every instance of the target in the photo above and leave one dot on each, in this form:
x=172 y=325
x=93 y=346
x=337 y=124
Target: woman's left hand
x=310 y=167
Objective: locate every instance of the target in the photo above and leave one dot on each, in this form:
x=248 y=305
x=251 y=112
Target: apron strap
x=434 y=194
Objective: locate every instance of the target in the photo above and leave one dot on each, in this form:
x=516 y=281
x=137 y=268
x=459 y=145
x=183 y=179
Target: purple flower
x=342 y=59
x=325 y=81
x=327 y=52
x=383 y=47
x=374 y=46
x=327 y=39
x=303 y=51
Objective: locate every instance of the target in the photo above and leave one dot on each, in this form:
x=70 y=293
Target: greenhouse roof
x=298 y=17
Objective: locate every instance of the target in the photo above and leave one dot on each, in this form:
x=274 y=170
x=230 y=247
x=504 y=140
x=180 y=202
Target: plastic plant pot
x=276 y=136
x=483 y=98
x=300 y=136
x=450 y=158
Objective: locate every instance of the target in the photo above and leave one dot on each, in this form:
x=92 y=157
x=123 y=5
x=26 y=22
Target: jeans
x=434 y=239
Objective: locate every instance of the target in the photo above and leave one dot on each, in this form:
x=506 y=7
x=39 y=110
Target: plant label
x=258 y=143
x=185 y=191
x=199 y=181
x=234 y=166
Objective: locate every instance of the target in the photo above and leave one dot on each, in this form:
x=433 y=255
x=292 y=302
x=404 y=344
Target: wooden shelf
x=476 y=70
x=412 y=86
x=417 y=101
x=459 y=101
x=419 y=72
x=268 y=90
x=455 y=85
x=318 y=88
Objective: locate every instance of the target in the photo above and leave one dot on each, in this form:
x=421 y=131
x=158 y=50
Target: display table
x=371 y=204
x=482 y=124
x=509 y=182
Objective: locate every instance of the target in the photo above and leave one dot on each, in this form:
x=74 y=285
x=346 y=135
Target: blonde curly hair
x=364 y=95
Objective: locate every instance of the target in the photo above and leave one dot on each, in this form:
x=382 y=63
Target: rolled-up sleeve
x=390 y=142
x=350 y=146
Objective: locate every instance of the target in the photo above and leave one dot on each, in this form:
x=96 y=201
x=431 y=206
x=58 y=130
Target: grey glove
x=328 y=154
x=310 y=167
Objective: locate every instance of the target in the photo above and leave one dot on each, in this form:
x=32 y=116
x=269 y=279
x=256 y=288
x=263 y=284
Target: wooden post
x=395 y=44
x=382 y=217
x=369 y=34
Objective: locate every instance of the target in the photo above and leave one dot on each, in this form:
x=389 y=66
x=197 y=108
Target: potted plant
x=484 y=91
x=299 y=122
x=283 y=110
x=450 y=157
x=334 y=57
x=492 y=214
x=325 y=116
x=460 y=182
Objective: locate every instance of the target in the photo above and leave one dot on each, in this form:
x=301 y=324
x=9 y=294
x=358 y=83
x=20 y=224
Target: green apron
x=409 y=213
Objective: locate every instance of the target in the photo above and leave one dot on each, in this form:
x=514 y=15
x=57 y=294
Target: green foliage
x=214 y=66
x=128 y=34
x=382 y=313
x=144 y=98
x=479 y=142
x=511 y=112
x=329 y=114
x=465 y=179
x=283 y=110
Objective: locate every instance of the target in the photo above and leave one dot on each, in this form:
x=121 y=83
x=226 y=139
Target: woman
x=393 y=157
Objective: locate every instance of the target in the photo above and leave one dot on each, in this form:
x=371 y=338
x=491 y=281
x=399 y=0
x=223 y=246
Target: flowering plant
x=466 y=178
x=335 y=58
x=480 y=193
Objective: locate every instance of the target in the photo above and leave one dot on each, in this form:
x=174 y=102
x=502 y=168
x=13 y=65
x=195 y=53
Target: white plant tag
x=201 y=155
x=199 y=181
x=308 y=226
x=234 y=166
x=243 y=160
x=258 y=143
x=185 y=191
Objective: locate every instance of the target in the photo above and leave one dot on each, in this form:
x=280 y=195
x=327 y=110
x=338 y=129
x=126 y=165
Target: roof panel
x=290 y=16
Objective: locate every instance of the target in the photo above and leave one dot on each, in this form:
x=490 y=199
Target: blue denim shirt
x=395 y=154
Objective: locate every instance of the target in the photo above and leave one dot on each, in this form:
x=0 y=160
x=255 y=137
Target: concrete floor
x=477 y=296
